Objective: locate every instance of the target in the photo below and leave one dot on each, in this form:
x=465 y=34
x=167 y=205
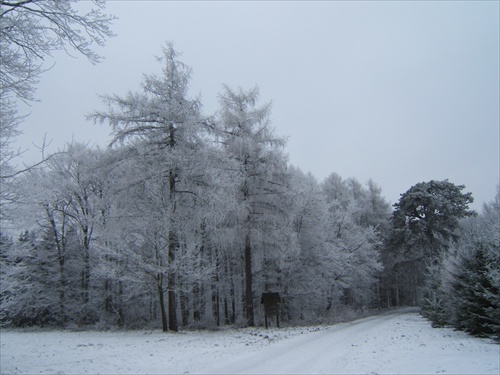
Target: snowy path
x=392 y=343
x=401 y=342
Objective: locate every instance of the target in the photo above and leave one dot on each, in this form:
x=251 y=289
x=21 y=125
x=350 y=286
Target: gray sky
x=400 y=92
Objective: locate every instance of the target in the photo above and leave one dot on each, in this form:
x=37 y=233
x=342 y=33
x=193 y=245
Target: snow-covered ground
x=398 y=342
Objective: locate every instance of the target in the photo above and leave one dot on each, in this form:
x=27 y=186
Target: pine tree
x=434 y=306
x=424 y=224
x=477 y=298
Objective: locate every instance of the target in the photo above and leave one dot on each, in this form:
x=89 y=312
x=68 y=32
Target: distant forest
x=187 y=219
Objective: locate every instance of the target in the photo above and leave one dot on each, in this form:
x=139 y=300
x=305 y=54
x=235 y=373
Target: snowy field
x=393 y=343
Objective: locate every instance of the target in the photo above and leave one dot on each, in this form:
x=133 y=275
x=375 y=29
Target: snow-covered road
x=397 y=342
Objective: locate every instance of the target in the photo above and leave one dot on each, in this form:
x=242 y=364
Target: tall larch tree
x=251 y=143
x=166 y=123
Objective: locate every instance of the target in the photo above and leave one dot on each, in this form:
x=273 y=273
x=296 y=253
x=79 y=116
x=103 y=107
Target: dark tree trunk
x=172 y=247
x=184 y=305
x=107 y=293
x=62 y=287
x=86 y=267
x=248 y=282
x=233 y=306
x=60 y=243
x=164 y=324
x=198 y=302
x=119 y=305
x=198 y=290
x=226 y=311
x=215 y=303
x=172 y=305
x=172 y=300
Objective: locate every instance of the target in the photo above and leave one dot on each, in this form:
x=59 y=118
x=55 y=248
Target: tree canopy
x=31 y=30
x=426 y=217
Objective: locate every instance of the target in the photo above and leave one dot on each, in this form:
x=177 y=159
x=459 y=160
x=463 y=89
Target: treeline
x=187 y=219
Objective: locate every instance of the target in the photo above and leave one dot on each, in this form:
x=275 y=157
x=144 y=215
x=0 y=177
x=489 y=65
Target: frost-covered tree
x=82 y=189
x=463 y=288
x=31 y=30
x=136 y=241
x=62 y=200
x=427 y=216
x=312 y=272
x=9 y=130
x=139 y=241
x=335 y=188
x=370 y=207
x=166 y=127
x=23 y=301
x=477 y=290
x=261 y=218
x=376 y=210
x=437 y=292
x=424 y=224
x=13 y=278
x=338 y=229
x=355 y=243
x=39 y=286
x=356 y=248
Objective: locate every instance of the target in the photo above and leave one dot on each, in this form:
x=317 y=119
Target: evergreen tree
x=424 y=223
x=477 y=299
x=435 y=296
x=463 y=288
x=426 y=217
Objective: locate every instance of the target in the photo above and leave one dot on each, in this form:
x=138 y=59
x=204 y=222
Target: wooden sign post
x=271 y=303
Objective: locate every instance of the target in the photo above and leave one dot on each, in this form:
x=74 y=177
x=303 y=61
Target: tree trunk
x=172 y=247
x=185 y=310
x=107 y=294
x=62 y=286
x=172 y=305
x=217 y=307
x=198 y=290
x=163 y=312
x=86 y=266
x=232 y=294
x=215 y=303
x=60 y=242
x=226 y=311
x=198 y=302
x=119 y=305
x=172 y=302
x=248 y=283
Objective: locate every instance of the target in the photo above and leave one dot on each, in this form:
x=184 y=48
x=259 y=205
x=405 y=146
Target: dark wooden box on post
x=271 y=302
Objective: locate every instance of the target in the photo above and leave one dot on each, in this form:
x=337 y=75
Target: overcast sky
x=400 y=92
